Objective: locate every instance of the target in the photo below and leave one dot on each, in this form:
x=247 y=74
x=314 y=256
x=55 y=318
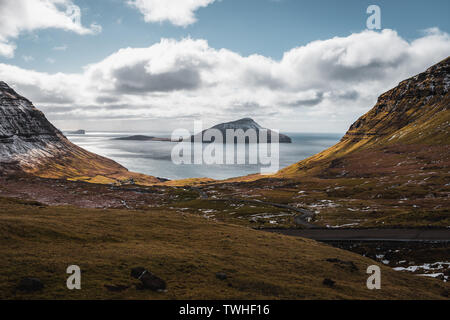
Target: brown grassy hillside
x=186 y=251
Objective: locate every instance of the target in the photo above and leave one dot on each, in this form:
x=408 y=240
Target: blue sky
x=266 y=27
x=299 y=65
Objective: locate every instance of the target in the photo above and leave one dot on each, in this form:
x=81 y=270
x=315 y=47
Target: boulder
x=149 y=281
x=30 y=285
x=221 y=276
x=329 y=283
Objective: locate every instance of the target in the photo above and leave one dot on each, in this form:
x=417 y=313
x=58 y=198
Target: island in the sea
x=76 y=132
x=143 y=138
x=244 y=124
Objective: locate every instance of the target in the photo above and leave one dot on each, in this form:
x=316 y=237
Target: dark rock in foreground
x=221 y=276
x=329 y=283
x=30 y=285
x=148 y=280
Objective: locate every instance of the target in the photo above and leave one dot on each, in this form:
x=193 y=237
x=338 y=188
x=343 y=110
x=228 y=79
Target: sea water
x=154 y=157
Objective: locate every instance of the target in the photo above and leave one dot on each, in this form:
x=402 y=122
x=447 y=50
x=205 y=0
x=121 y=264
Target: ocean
x=154 y=157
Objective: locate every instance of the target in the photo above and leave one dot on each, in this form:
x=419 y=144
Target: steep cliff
x=417 y=109
x=30 y=143
x=412 y=115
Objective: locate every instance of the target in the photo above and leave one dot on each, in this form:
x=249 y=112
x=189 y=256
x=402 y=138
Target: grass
x=185 y=250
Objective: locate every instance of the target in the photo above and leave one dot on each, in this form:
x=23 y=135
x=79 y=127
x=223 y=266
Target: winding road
x=301 y=219
x=314 y=232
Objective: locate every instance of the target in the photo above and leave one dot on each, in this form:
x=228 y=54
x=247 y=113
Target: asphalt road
x=314 y=232
x=440 y=235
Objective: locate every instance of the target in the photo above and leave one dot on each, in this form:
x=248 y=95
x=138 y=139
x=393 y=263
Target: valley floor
x=185 y=250
x=187 y=234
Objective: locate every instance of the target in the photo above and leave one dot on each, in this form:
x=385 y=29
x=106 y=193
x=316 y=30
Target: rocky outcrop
x=413 y=102
x=30 y=143
x=25 y=133
x=244 y=125
x=408 y=117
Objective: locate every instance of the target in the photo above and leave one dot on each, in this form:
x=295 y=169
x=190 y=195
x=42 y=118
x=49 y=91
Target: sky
x=158 y=65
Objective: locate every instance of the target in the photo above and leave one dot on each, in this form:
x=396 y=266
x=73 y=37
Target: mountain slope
x=30 y=143
x=413 y=114
x=391 y=169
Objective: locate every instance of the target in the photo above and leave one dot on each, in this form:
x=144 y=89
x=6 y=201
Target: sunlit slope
x=414 y=113
x=78 y=164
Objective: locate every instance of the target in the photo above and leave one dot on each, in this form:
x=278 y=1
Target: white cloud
x=177 y=12
x=19 y=16
x=324 y=84
x=7 y=49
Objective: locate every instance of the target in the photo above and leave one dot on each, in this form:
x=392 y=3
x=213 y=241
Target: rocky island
x=77 y=132
x=242 y=124
x=142 y=138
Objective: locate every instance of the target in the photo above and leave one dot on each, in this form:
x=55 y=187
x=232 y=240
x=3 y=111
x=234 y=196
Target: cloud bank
x=19 y=16
x=323 y=81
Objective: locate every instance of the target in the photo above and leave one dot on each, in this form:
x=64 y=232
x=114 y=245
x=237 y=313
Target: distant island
x=76 y=132
x=243 y=124
x=143 y=138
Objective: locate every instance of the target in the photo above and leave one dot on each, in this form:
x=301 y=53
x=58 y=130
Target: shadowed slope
x=30 y=143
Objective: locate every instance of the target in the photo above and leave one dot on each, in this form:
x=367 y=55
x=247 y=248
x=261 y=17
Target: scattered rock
x=148 y=279
x=221 y=276
x=30 y=285
x=329 y=283
x=440 y=277
x=137 y=272
x=116 y=288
